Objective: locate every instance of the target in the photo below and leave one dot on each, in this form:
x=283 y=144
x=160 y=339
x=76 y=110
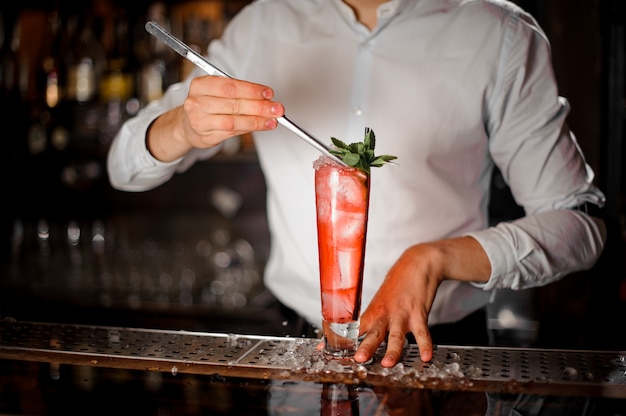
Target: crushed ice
x=303 y=355
x=114 y=337
x=235 y=341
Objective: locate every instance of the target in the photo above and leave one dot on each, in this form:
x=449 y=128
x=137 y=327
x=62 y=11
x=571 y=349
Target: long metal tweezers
x=204 y=64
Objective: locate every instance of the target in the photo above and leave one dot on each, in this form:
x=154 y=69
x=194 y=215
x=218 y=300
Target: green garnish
x=360 y=155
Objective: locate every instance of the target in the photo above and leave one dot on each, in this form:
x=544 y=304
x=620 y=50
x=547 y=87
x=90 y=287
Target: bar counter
x=49 y=368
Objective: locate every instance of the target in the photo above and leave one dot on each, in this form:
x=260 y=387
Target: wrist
x=464 y=259
x=164 y=139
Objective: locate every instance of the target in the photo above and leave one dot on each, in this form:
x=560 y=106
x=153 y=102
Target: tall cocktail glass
x=342 y=203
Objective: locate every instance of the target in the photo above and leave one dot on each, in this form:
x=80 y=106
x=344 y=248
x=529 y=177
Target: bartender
x=455 y=89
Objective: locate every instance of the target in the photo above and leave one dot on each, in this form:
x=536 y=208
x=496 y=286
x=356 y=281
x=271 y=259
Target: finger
x=204 y=107
x=365 y=322
x=236 y=106
x=375 y=336
x=236 y=124
x=424 y=342
x=230 y=87
x=395 y=346
x=211 y=127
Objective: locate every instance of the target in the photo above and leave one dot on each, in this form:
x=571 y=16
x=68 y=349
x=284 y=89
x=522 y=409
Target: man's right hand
x=216 y=108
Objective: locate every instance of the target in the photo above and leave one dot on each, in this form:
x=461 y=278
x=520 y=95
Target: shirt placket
x=363 y=68
x=359 y=92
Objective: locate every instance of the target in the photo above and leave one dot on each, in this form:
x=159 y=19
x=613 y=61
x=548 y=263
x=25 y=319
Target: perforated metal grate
x=513 y=370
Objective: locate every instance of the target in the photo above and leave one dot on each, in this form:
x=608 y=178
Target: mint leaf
x=339 y=144
x=360 y=154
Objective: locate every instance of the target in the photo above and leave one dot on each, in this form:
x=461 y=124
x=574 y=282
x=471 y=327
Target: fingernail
x=267 y=93
x=271 y=123
x=388 y=360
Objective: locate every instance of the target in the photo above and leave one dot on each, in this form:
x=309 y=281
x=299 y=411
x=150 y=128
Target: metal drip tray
x=488 y=369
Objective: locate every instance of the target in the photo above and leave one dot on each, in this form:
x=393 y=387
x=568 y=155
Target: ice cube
x=349 y=268
x=350 y=229
x=352 y=194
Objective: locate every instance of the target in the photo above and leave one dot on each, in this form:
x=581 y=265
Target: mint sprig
x=360 y=155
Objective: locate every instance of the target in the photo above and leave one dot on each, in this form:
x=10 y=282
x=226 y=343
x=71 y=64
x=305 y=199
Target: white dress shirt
x=453 y=88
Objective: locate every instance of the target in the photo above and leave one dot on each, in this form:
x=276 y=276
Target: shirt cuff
x=501 y=257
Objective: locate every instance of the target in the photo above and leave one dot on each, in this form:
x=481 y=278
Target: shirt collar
x=385 y=10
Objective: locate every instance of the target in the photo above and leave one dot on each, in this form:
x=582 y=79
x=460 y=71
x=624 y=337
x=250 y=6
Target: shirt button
x=358 y=111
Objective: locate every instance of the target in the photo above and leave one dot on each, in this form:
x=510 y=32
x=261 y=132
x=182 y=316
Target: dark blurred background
x=190 y=253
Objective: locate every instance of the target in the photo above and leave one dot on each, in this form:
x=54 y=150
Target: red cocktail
x=342 y=202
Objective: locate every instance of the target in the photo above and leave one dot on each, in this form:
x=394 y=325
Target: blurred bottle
x=117 y=85
x=86 y=60
x=51 y=77
x=159 y=63
x=117 y=82
x=10 y=96
x=196 y=34
x=64 y=119
x=47 y=136
x=52 y=84
x=9 y=57
x=26 y=139
x=14 y=72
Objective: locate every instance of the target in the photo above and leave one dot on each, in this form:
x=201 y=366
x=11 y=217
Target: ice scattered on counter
x=432 y=370
x=316 y=367
x=334 y=366
x=174 y=370
x=453 y=369
x=361 y=370
x=231 y=340
x=570 y=372
x=302 y=355
x=114 y=337
x=236 y=341
x=473 y=371
x=396 y=372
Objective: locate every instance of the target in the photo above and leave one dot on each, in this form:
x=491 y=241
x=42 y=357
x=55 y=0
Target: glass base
x=340 y=339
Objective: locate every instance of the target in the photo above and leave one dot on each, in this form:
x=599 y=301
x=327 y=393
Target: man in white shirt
x=453 y=88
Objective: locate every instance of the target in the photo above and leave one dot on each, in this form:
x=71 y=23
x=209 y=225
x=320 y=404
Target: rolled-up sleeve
x=130 y=166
